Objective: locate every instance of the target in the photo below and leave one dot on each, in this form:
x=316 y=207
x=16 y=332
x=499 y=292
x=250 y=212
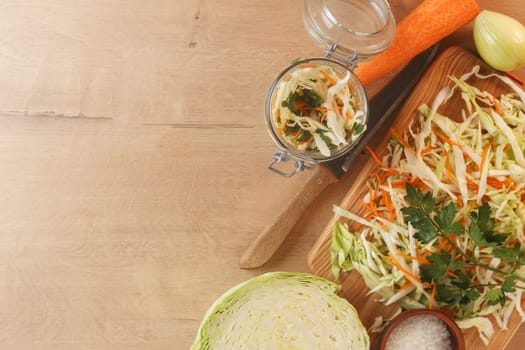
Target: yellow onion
x=500 y=40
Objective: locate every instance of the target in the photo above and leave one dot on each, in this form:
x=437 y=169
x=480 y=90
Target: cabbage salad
x=314 y=109
x=442 y=222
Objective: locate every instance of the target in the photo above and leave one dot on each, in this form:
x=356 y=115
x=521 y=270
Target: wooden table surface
x=134 y=152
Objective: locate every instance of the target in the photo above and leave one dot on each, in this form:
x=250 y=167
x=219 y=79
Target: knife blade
x=381 y=107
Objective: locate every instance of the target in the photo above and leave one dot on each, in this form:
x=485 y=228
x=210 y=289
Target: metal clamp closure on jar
x=348 y=31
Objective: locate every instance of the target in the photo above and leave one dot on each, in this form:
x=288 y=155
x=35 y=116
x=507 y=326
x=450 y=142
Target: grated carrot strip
x=396 y=264
x=497 y=107
x=399 y=184
x=374 y=156
x=498 y=184
x=445 y=139
x=448 y=167
x=401 y=139
x=388 y=204
x=472 y=184
x=416 y=258
x=515 y=77
x=406 y=285
x=451 y=274
x=427 y=150
x=328 y=77
x=432 y=296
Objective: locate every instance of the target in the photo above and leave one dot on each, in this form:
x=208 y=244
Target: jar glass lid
x=360 y=28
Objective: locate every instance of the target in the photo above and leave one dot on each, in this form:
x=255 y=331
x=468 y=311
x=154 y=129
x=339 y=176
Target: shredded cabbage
x=316 y=110
x=475 y=157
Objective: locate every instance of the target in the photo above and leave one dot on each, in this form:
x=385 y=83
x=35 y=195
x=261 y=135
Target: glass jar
x=348 y=31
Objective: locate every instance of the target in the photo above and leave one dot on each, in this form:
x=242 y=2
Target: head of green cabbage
x=282 y=310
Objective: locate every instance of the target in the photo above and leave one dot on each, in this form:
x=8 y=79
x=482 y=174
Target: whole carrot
x=428 y=23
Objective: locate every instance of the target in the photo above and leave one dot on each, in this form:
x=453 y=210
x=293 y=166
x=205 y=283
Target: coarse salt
x=422 y=332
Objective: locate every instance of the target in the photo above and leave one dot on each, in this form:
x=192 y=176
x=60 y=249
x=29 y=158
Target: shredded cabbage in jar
x=314 y=109
x=478 y=160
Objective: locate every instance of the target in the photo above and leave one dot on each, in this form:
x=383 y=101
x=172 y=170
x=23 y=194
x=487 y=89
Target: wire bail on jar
x=282 y=156
x=349 y=60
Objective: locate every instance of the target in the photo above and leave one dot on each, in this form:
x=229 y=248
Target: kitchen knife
x=381 y=107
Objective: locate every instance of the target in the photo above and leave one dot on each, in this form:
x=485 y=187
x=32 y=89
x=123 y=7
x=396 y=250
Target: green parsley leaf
x=325 y=138
x=469 y=296
x=437 y=267
x=419 y=200
x=505 y=254
x=304 y=136
x=495 y=296
x=302 y=97
x=482 y=228
x=429 y=273
x=508 y=285
x=475 y=234
x=291 y=129
x=358 y=128
x=426 y=236
x=445 y=219
x=426 y=231
x=462 y=281
x=448 y=294
x=485 y=222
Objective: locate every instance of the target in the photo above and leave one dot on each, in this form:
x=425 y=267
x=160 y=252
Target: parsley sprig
x=452 y=270
x=302 y=100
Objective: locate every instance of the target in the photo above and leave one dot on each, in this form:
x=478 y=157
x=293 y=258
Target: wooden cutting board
x=453 y=61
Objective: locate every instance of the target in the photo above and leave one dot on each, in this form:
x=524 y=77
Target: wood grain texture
x=133 y=155
x=454 y=61
x=271 y=238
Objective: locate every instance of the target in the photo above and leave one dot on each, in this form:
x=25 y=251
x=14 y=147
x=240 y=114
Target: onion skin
x=500 y=40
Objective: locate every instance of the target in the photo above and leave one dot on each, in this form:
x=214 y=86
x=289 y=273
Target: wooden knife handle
x=269 y=240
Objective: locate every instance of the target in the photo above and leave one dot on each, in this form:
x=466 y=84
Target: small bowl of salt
x=422 y=329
